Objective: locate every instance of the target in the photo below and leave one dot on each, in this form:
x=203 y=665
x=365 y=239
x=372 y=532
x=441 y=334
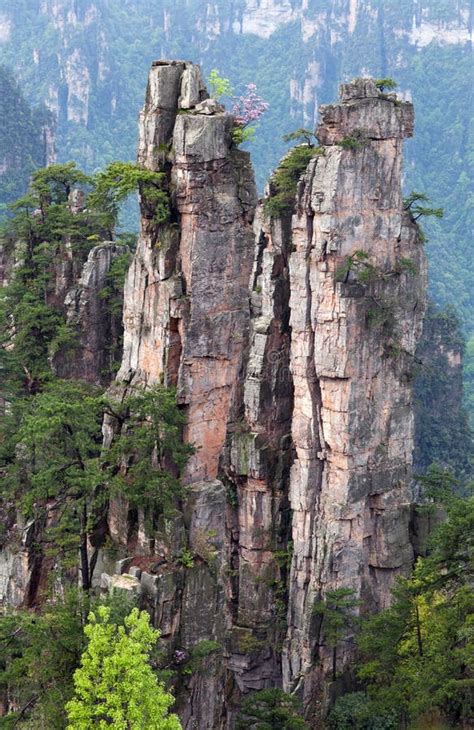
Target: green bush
x=284 y=181
x=354 y=711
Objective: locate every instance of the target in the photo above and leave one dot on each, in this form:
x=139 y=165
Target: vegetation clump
x=115 y=686
x=272 y=709
x=284 y=181
x=386 y=84
x=356 y=141
x=414 y=205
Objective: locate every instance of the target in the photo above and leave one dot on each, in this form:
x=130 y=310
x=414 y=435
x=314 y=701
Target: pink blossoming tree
x=246 y=109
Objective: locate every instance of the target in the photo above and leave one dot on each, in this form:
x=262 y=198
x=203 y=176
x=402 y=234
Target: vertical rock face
x=94 y=318
x=290 y=340
x=292 y=349
x=186 y=296
x=357 y=277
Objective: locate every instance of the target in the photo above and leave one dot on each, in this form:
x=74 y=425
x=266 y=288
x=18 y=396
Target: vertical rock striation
x=186 y=296
x=292 y=349
x=357 y=277
x=291 y=342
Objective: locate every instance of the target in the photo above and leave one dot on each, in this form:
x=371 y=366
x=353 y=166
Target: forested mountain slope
x=26 y=136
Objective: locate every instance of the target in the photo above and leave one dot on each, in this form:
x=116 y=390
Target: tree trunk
x=84 y=551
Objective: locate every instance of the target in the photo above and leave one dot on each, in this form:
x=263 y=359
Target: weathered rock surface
x=352 y=358
x=290 y=340
x=295 y=381
x=94 y=319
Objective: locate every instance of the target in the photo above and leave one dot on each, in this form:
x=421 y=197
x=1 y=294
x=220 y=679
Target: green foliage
x=40 y=651
x=240 y=135
x=118 y=181
x=360 y=265
x=204 y=648
x=115 y=685
x=469 y=378
x=284 y=181
x=356 y=141
x=356 y=711
x=385 y=84
x=186 y=559
x=413 y=204
x=271 y=709
x=54 y=466
x=301 y=136
x=336 y=610
x=21 y=138
x=198 y=653
x=406 y=265
x=112 y=294
x=45 y=226
x=218 y=85
x=418 y=655
x=439 y=485
x=148 y=450
x=442 y=431
x=54 y=471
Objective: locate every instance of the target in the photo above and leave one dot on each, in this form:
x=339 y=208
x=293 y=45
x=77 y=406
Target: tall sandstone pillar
x=357 y=281
x=291 y=341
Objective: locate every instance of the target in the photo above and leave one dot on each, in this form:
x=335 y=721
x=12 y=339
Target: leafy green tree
x=40 y=651
x=301 y=135
x=218 y=85
x=45 y=226
x=355 y=711
x=385 y=84
x=54 y=466
x=115 y=685
x=284 y=181
x=55 y=470
x=418 y=655
x=439 y=485
x=147 y=456
x=117 y=182
x=271 y=709
x=337 y=618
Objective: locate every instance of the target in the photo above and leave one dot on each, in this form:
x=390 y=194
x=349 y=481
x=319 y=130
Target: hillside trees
x=418 y=655
x=55 y=469
x=50 y=453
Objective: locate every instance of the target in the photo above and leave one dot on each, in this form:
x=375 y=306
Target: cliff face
x=96 y=334
x=354 y=328
x=292 y=349
x=443 y=434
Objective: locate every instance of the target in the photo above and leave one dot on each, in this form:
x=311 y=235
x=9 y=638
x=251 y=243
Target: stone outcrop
x=292 y=350
x=354 y=329
x=93 y=345
x=93 y=311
